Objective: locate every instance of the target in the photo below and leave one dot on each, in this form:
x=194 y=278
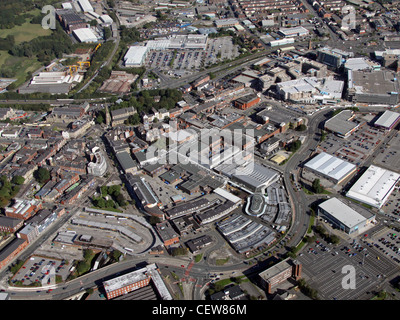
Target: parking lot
x=387 y=242
x=182 y=62
x=323 y=265
x=41 y=271
x=356 y=148
x=389 y=155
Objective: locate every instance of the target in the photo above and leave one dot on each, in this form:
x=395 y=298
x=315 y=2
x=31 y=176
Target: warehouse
x=374 y=186
x=85 y=5
x=387 y=120
x=294 y=32
x=344 y=217
x=85 y=35
x=135 y=56
x=330 y=167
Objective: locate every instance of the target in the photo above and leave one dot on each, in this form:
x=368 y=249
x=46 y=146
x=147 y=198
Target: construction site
x=61 y=76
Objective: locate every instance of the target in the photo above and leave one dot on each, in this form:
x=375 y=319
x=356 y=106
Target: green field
x=20 y=66
x=26 y=31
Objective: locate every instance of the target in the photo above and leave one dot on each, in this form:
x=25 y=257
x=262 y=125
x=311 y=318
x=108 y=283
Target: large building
x=330 y=167
x=85 y=35
x=298 y=31
x=135 y=280
x=247 y=101
x=379 y=87
x=135 y=56
x=344 y=217
x=310 y=90
x=388 y=120
x=333 y=57
x=374 y=186
x=278 y=273
x=342 y=124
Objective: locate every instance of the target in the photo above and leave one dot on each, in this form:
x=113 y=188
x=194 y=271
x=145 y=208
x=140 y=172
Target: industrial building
x=380 y=87
x=298 y=31
x=344 y=217
x=281 y=42
x=135 y=56
x=85 y=35
x=374 y=186
x=330 y=167
x=387 y=120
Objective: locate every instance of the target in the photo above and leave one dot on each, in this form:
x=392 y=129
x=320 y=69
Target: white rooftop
x=387 y=119
x=374 y=186
x=135 y=55
x=85 y=35
x=342 y=212
x=330 y=166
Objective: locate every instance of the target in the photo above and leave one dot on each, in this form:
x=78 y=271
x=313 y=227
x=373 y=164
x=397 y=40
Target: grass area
x=220 y=262
x=20 y=66
x=25 y=32
x=198 y=257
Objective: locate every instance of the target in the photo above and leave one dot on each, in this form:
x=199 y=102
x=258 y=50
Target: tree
x=317 y=187
x=18 y=180
x=42 y=175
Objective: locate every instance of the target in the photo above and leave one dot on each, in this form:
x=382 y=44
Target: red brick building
x=23 y=209
x=279 y=273
x=247 y=101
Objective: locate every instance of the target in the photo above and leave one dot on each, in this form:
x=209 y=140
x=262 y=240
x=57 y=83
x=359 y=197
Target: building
x=278 y=273
x=135 y=280
x=387 y=120
x=126 y=162
x=85 y=35
x=8 y=253
x=374 y=186
x=23 y=209
x=342 y=124
x=281 y=42
x=247 y=101
x=229 y=293
x=85 y=5
x=135 y=56
x=298 y=31
x=139 y=189
x=70 y=20
x=167 y=233
x=252 y=176
x=334 y=58
x=310 y=90
x=330 y=167
x=344 y=217
x=362 y=88
x=10 y=225
x=98 y=164
x=256 y=205
x=119 y=116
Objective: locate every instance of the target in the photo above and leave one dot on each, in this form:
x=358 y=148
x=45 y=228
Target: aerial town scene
x=212 y=150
